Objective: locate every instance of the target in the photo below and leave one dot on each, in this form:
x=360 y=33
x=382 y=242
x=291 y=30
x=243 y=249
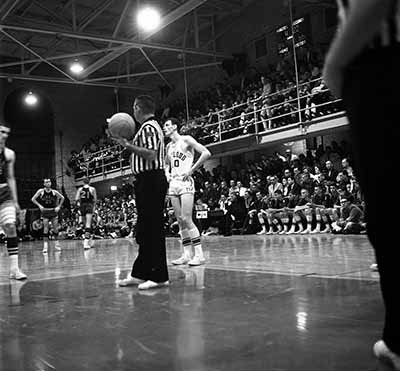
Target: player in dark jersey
x=86 y=198
x=49 y=201
x=319 y=204
x=9 y=202
x=300 y=213
x=287 y=216
x=262 y=214
x=274 y=213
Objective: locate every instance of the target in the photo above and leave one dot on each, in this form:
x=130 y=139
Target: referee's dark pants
x=151 y=262
x=372 y=94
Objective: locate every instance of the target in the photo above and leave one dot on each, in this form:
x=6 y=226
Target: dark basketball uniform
x=87 y=201
x=5 y=192
x=320 y=200
x=302 y=201
x=48 y=199
x=291 y=203
x=276 y=203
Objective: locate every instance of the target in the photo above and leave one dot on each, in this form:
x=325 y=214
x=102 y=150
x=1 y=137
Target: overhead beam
x=196 y=29
x=155 y=68
x=53 y=14
x=57 y=57
x=147 y=73
x=121 y=17
x=9 y=10
x=122 y=41
x=4 y=6
x=171 y=17
x=35 y=54
x=92 y=16
x=69 y=82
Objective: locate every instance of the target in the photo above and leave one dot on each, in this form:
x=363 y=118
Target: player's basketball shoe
x=17 y=274
x=386 y=356
x=180 y=261
x=57 y=246
x=263 y=231
x=45 y=247
x=197 y=260
x=327 y=230
x=86 y=244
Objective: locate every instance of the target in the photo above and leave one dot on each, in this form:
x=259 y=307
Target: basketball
x=121 y=125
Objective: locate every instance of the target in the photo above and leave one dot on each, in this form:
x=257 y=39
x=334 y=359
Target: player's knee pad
x=9 y=229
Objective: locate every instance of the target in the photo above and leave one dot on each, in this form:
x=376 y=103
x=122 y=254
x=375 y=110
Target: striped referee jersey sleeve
x=150 y=137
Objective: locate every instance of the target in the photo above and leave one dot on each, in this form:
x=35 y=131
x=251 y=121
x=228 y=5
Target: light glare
x=148 y=19
x=31 y=99
x=76 y=68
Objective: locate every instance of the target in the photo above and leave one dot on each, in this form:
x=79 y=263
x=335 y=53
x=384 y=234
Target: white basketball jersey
x=180 y=158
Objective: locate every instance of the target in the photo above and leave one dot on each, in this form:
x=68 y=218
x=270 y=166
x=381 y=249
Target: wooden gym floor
x=260 y=303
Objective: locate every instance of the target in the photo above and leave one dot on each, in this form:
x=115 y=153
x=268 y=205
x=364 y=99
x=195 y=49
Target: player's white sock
x=12 y=248
x=13 y=263
x=196 y=242
x=186 y=244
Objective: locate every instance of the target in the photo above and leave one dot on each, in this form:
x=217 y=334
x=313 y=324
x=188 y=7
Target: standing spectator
x=233 y=187
x=274 y=186
x=330 y=173
x=346 y=167
x=241 y=190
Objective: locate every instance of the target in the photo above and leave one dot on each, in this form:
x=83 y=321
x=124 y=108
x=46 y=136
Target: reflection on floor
x=259 y=303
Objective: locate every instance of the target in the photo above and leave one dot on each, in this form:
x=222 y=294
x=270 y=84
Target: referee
x=147 y=163
x=363 y=66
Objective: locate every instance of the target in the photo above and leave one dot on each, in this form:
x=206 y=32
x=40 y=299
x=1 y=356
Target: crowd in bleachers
x=259 y=103
x=315 y=192
x=264 y=103
x=312 y=192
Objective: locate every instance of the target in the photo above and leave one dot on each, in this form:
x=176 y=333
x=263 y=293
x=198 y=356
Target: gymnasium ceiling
x=40 y=38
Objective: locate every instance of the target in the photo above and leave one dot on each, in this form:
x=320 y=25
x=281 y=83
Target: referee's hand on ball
x=122 y=141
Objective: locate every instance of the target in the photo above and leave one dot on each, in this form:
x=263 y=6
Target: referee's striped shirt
x=150 y=136
x=389 y=32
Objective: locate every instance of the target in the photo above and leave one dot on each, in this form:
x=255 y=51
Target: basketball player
x=86 y=198
x=9 y=202
x=49 y=201
x=362 y=65
x=179 y=168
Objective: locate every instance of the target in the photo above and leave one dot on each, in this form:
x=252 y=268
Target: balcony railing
x=256 y=116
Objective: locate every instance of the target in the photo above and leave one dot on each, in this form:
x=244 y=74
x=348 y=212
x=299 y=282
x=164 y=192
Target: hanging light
x=76 y=68
x=31 y=99
x=148 y=19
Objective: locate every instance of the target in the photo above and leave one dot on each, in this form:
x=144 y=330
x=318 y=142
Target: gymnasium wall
x=79 y=114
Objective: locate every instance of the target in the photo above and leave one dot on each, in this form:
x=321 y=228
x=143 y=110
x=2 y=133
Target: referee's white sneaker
x=17 y=275
x=197 y=260
x=152 y=285
x=180 y=261
x=130 y=281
